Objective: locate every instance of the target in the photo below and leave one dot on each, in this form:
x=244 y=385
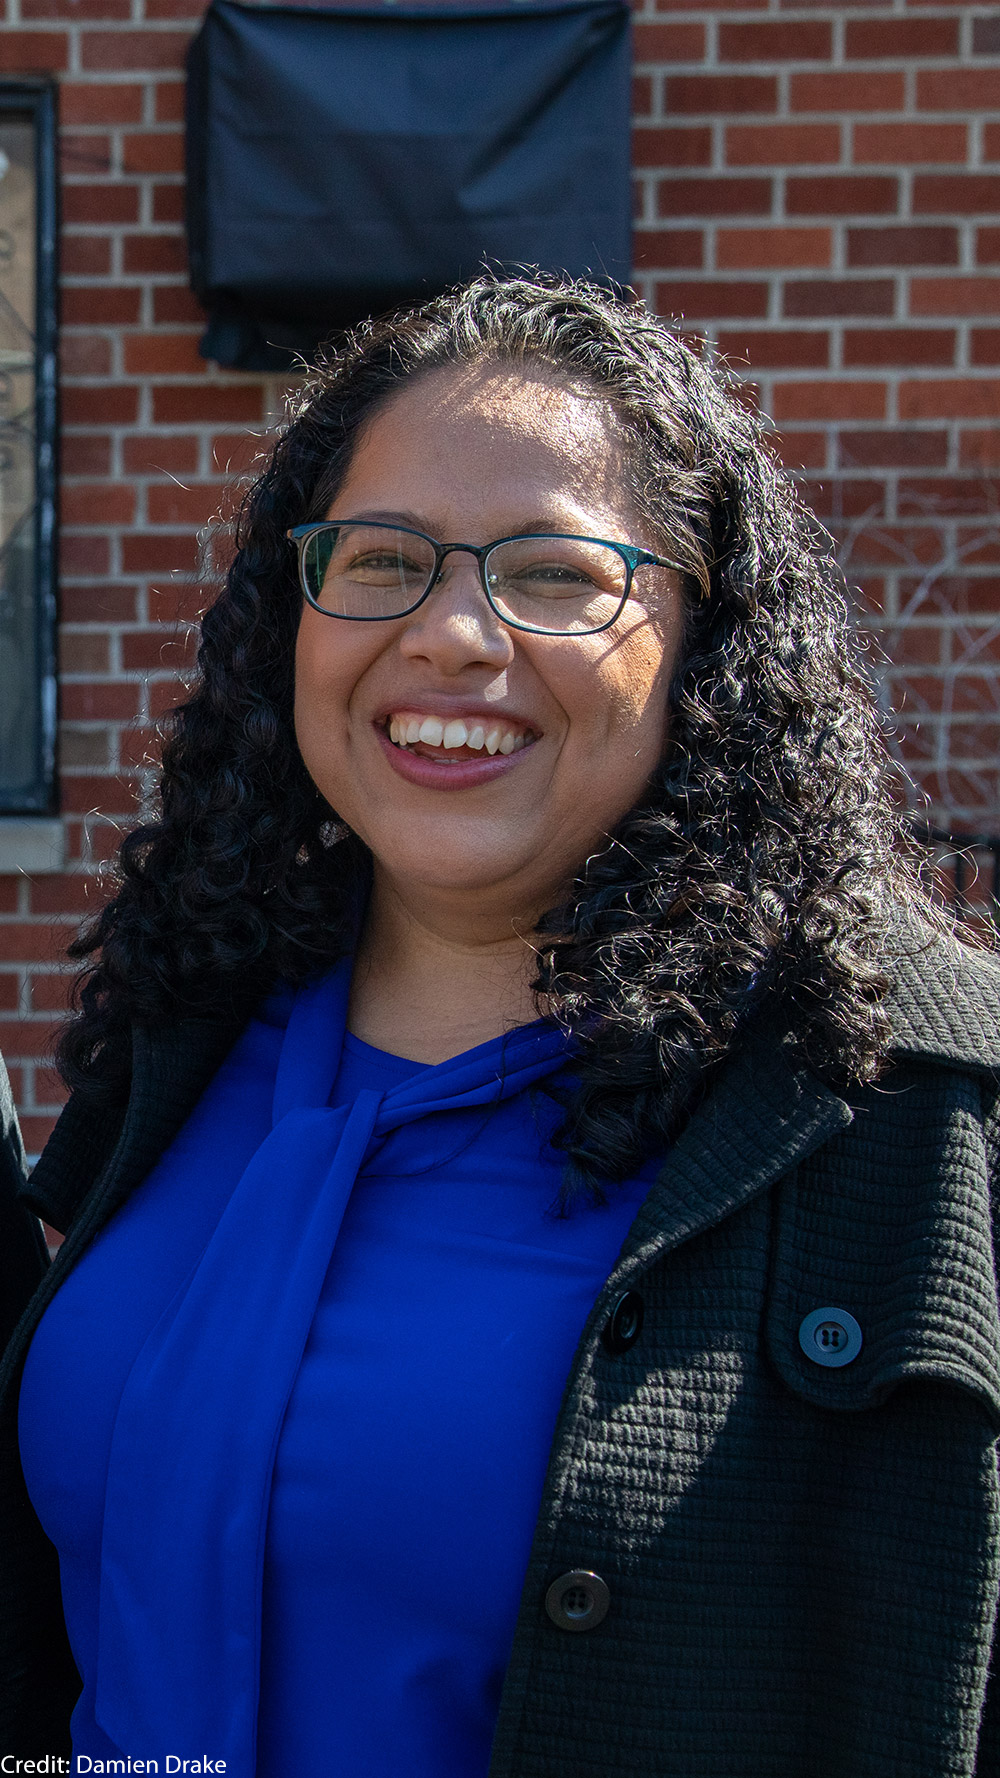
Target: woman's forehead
x=494 y=420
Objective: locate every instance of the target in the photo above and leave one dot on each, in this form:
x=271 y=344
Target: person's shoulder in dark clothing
x=22 y=1248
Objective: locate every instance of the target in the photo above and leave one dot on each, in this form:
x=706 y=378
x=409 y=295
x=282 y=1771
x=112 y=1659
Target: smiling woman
x=572 y=724
x=527 y=1305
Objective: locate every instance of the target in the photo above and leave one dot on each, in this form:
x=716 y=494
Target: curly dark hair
x=762 y=865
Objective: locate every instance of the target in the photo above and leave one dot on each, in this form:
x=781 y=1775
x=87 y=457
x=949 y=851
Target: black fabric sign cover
x=342 y=161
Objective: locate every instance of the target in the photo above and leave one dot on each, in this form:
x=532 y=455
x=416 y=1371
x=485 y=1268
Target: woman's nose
x=456 y=626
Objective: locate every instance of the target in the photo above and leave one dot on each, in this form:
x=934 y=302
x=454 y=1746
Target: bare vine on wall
x=928 y=591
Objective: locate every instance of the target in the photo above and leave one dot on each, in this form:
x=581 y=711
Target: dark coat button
x=578 y=1600
x=624 y=1324
x=830 y=1337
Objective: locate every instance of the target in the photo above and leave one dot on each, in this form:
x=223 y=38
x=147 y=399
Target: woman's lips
x=448 y=771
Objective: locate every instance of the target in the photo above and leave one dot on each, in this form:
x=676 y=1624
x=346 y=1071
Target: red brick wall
x=817 y=193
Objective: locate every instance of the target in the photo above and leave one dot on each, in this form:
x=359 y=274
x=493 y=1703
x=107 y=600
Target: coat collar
x=945 y=1000
x=762 y=1116
x=767 y=1112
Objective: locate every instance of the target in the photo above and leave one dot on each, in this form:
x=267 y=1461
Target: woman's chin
x=487 y=882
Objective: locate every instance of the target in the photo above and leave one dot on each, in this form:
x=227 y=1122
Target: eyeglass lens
x=568 y=585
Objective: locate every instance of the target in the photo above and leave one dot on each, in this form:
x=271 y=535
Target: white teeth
x=404 y=731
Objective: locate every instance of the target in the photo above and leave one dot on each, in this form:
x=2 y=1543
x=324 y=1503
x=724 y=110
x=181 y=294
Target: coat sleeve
x=22 y=1249
x=988 y=1753
x=38 y=1681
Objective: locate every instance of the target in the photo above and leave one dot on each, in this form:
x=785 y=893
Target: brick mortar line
x=873 y=14
x=74 y=29
x=932 y=61
x=907 y=113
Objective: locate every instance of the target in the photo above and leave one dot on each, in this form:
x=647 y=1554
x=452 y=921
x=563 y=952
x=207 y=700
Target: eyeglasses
x=551 y=584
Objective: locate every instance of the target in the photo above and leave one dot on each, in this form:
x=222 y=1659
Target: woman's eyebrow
x=529 y=528
x=376 y=516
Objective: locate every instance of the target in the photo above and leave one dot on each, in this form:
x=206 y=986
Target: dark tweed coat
x=802 y=1562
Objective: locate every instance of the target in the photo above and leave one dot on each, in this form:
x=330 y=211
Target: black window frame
x=34 y=100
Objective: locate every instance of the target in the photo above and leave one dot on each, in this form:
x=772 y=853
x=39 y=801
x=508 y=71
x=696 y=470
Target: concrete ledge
x=33 y=844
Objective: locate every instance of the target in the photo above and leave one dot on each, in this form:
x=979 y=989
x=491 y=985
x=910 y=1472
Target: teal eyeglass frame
x=631 y=554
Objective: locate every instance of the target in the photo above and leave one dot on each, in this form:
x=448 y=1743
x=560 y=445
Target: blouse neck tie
x=201 y=1412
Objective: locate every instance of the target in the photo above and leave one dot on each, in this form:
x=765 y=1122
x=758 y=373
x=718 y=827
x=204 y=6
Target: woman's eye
x=556 y=574
x=382 y=562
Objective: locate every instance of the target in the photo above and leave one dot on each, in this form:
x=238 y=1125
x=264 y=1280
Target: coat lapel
x=96 y=1150
x=761 y=1117
x=95 y=1158
x=766 y=1112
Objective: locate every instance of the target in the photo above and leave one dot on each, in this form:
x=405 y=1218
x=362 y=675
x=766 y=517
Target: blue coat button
x=830 y=1337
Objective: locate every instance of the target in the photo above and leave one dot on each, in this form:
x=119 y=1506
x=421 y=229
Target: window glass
x=19 y=664
x=27 y=446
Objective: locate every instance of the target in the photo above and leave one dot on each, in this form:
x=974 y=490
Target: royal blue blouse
x=287 y=1420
